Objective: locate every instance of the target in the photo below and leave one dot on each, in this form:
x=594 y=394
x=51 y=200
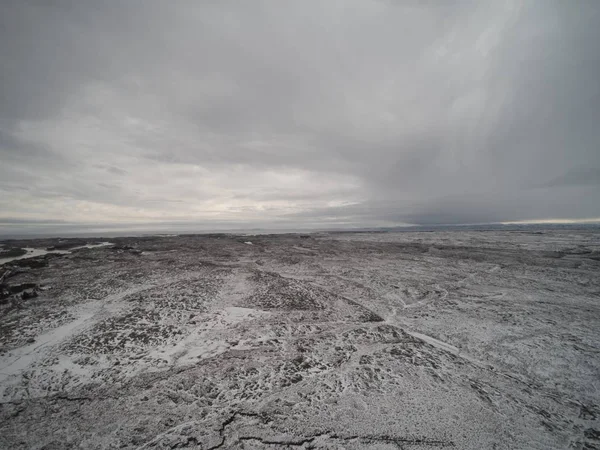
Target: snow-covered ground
x=469 y=340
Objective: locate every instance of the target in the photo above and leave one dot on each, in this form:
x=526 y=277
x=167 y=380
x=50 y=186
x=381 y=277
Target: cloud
x=577 y=177
x=367 y=112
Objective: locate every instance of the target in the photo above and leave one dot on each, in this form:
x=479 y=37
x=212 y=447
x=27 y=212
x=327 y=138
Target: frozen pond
x=100 y=244
x=34 y=252
x=31 y=253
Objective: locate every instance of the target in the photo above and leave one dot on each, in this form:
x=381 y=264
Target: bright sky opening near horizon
x=297 y=114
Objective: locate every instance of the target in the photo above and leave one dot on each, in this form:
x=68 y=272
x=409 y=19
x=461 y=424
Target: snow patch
x=207 y=340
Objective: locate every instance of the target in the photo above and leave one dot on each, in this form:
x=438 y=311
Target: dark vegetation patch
x=67 y=244
x=12 y=252
x=272 y=291
x=140 y=328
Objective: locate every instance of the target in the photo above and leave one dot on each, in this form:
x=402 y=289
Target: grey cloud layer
x=365 y=112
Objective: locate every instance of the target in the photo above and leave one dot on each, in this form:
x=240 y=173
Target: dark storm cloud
x=366 y=112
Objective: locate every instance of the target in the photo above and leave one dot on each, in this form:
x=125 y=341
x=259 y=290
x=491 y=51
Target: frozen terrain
x=466 y=340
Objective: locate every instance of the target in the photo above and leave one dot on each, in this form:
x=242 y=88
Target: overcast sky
x=226 y=114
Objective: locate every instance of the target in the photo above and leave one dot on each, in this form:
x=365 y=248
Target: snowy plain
x=411 y=340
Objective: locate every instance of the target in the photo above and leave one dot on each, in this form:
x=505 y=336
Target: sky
x=297 y=114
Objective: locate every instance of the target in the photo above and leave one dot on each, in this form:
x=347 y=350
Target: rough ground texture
x=467 y=340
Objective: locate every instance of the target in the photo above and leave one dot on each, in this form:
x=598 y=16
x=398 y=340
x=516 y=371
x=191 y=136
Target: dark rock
x=26 y=295
x=122 y=247
x=15 y=289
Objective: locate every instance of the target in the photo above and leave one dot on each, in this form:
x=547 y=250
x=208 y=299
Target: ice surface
x=35 y=252
x=31 y=253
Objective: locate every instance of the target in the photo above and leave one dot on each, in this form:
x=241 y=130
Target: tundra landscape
x=327 y=225
x=409 y=340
